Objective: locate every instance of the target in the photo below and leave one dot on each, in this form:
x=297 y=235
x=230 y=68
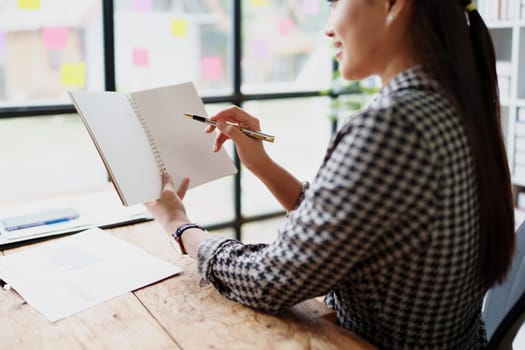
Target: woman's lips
x=339 y=47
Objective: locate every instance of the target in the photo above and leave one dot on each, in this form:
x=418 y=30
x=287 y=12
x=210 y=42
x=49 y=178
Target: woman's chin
x=351 y=72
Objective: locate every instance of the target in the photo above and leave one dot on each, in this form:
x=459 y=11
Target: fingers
x=167 y=182
x=209 y=129
x=183 y=187
x=169 y=186
x=232 y=114
x=219 y=141
x=231 y=132
x=169 y=209
x=228 y=131
x=237 y=116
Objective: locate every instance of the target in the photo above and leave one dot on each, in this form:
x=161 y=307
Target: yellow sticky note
x=179 y=27
x=29 y=4
x=73 y=74
x=259 y=3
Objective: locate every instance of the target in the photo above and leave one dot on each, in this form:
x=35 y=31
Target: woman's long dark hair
x=456 y=46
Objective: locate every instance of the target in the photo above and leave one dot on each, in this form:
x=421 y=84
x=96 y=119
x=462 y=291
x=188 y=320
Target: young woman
x=409 y=219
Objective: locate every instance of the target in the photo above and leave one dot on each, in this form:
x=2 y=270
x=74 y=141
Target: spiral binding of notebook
x=153 y=145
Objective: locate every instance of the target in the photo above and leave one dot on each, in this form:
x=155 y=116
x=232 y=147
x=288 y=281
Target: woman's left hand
x=169 y=209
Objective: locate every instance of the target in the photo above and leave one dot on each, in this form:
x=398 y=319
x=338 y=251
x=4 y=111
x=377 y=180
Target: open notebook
x=140 y=134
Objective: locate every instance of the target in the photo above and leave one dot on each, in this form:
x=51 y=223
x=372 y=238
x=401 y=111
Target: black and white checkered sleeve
x=376 y=177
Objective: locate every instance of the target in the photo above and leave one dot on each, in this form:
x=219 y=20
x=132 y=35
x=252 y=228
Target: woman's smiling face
x=360 y=32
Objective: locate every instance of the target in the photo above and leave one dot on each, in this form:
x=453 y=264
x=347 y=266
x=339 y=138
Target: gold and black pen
x=255 y=134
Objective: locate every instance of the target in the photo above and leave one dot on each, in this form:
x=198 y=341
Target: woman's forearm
x=283 y=185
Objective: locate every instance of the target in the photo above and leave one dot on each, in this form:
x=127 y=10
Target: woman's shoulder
x=400 y=108
x=422 y=115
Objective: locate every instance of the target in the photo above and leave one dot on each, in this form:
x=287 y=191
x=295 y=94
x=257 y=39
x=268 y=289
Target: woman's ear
x=395 y=9
x=389 y=4
x=390 y=15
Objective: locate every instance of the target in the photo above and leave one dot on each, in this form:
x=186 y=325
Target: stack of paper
x=64 y=276
x=96 y=209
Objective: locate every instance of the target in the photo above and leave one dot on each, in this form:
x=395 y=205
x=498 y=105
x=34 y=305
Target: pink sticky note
x=211 y=67
x=55 y=37
x=2 y=42
x=140 y=57
x=286 y=26
x=142 y=5
x=260 y=49
x=311 y=7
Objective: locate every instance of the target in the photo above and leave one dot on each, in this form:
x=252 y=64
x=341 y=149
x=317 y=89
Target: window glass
x=302 y=130
x=47 y=154
x=162 y=42
x=47 y=48
x=264 y=231
x=225 y=232
x=284 y=46
x=211 y=203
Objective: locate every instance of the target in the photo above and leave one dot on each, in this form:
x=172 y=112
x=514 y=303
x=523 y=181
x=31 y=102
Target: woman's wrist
x=191 y=239
x=263 y=166
x=181 y=230
x=173 y=225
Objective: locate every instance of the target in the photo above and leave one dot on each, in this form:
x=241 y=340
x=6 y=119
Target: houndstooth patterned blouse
x=387 y=230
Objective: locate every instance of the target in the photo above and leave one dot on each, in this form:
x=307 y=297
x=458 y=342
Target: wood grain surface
x=176 y=313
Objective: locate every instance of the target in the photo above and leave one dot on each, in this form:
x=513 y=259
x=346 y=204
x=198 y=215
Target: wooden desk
x=176 y=313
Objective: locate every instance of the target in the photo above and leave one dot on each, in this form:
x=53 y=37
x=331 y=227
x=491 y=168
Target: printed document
x=62 y=277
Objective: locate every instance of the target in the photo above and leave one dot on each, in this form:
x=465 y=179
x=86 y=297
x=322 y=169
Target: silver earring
x=389 y=18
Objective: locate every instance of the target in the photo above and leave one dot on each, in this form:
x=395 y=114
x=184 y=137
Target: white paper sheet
x=67 y=275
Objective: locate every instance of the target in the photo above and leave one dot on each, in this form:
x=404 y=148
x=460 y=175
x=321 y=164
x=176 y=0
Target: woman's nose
x=328 y=27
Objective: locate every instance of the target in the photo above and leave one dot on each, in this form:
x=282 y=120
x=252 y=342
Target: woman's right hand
x=251 y=151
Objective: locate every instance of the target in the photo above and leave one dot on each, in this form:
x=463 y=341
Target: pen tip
x=188 y=115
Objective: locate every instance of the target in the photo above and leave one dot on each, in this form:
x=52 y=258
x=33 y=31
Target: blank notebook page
x=184 y=147
x=124 y=144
